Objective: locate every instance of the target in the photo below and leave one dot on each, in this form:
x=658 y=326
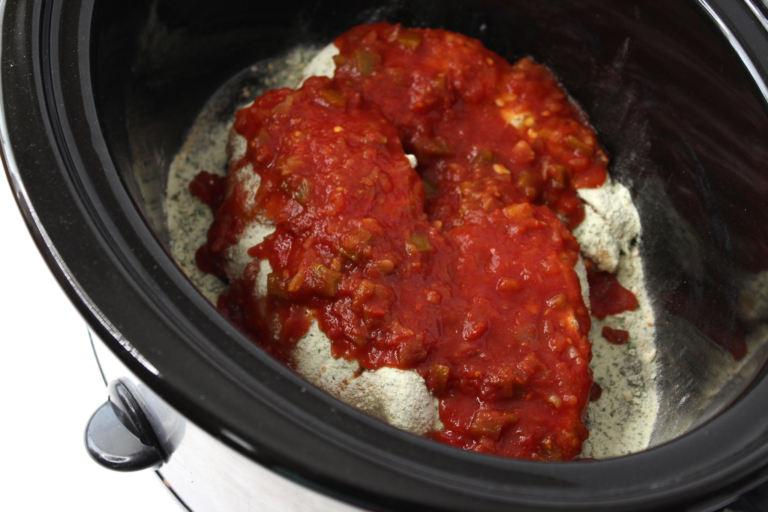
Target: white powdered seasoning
x=619 y=422
x=188 y=218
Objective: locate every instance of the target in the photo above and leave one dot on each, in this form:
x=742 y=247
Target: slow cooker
x=97 y=98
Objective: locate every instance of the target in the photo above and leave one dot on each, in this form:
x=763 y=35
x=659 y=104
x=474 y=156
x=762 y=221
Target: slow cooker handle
x=119 y=436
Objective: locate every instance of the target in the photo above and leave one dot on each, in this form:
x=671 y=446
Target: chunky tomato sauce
x=486 y=133
x=460 y=269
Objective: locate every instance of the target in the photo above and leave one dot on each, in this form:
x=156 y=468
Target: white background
x=50 y=385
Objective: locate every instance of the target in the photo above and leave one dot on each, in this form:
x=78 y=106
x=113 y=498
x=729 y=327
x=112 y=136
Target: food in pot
x=462 y=289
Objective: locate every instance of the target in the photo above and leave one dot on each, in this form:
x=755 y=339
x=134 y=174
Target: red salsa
x=606 y=295
x=486 y=133
x=461 y=269
x=615 y=336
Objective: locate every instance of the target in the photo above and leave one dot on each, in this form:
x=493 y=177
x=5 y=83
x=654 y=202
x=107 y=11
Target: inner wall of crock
x=668 y=97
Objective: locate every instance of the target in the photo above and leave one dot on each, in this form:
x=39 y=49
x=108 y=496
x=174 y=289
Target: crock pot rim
x=172 y=391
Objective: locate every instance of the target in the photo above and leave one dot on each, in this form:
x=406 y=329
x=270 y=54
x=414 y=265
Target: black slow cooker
x=97 y=98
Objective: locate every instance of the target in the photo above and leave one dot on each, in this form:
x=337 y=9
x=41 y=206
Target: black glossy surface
x=131 y=415
x=754 y=501
x=97 y=101
x=118 y=435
